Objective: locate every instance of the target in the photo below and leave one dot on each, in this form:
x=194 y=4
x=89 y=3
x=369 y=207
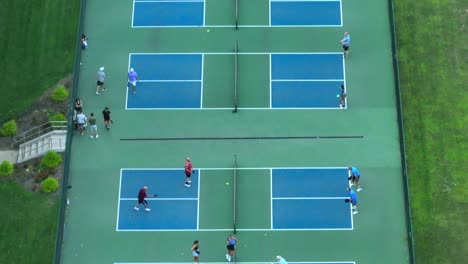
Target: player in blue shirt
x=353 y=199
x=354 y=177
x=231 y=247
x=281 y=260
x=346 y=42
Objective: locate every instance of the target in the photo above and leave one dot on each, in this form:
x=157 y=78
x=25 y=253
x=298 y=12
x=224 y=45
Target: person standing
x=346 y=42
x=93 y=126
x=84 y=41
x=101 y=78
x=231 y=247
x=355 y=176
x=281 y=260
x=196 y=252
x=106 y=115
x=81 y=121
x=132 y=79
x=342 y=96
x=353 y=199
x=188 y=171
x=142 y=194
x=78 y=105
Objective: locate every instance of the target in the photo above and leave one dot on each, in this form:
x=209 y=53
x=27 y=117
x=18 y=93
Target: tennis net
x=237 y=14
x=236 y=76
x=234 y=184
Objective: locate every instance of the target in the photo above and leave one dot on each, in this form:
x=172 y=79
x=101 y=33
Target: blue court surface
x=305 y=13
x=310 y=199
x=175 y=80
x=168 y=13
x=175 y=208
x=167 y=81
x=301 y=199
x=306 y=80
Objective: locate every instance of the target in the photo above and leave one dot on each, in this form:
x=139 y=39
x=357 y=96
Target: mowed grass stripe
x=37 y=49
x=432 y=41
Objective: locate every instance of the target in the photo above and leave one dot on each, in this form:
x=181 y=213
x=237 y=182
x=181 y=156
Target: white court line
x=232 y=53
x=271 y=96
x=204 y=12
x=291 y=262
x=344 y=82
x=161 y=199
x=133 y=13
x=307 y=80
x=202 y=77
x=242 y=108
x=118 y=202
x=242 y=168
x=309 y=198
x=269 y=13
x=170 y=80
x=271 y=197
x=230 y=230
x=198 y=200
x=241 y=26
x=341 y=14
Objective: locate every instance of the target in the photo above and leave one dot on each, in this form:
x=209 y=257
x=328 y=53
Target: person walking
x=346 y=42
x=196 y=252
x=188 y=172
x=81 y=121
x=281 y=260
x=132 y=79
x=92 y=126
x=142 y=195
x=106 y=115
x=231 y=247
x=342 y=97
x=355 y=177
x=101 y=78
x=353 y=199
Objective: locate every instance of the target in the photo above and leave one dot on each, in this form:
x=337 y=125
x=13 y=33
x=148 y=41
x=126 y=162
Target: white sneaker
x=147 y=209
x=136 y=208
x=97 y=92
x=91 y=136
x=187 y=185
x=227 y=257
x=355 y=212
x=97 y=136
x=359 y=189
x=190 y=181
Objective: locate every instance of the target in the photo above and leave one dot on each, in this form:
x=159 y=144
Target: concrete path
x=10 y=155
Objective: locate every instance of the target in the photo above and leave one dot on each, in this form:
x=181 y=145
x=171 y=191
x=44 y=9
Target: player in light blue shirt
x=281 y=260
x=353 y=199
x=346 y=42
x=354 y=177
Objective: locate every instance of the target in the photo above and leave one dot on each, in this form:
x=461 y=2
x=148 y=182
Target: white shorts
x=132 y=83
x=195 y=254
x=94 y=128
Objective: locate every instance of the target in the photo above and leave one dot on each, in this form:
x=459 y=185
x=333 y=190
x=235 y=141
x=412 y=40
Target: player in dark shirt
x=106 y=114
x=141 y=199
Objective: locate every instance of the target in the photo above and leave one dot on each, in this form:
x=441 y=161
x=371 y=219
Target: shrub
x=49 y=185
x=6 y=168
x=8 y=129
x=57 y=117
x=42 y=175
x=51 y=160
x=60 y=94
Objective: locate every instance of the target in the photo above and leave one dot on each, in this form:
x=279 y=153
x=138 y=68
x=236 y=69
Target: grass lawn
x=433 y=57
x=37 y=49
x=27 y=226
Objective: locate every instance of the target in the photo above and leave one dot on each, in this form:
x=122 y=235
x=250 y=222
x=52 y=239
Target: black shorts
x=230 y=247
x=345 y=48
x=142 y=201
x=100 y=83
x=107 y=119
x=188 y=174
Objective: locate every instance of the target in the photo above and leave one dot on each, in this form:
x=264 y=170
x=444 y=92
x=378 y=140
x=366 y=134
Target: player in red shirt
x=188 y=171
x=141 y=199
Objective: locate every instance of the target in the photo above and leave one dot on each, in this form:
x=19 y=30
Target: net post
x=236 y=77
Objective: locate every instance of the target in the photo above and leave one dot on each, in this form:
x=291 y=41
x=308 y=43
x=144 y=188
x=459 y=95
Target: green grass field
x=433 y=50
x=27 y=226
x=37 y=49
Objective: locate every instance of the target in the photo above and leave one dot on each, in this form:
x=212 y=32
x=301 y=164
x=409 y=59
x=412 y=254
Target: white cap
x=131 y=69
x=101 y=69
